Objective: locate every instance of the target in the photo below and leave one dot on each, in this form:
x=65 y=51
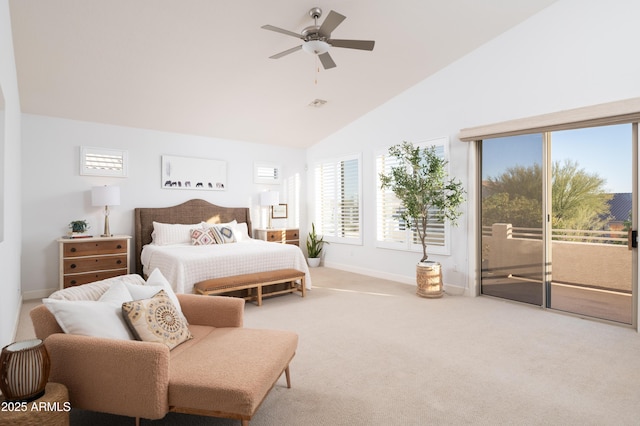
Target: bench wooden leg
x=303 y=286
x=259 y=291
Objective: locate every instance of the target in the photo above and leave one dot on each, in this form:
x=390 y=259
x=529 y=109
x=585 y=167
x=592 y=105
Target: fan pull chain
x=317 y=70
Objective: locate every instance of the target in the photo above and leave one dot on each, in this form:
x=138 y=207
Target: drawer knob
x=119 y=246
x=73 y=282
x=73 y=266
x=73 y=249
x=119 y=262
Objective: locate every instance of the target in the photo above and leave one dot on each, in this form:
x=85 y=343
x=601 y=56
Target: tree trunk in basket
x=429 y=280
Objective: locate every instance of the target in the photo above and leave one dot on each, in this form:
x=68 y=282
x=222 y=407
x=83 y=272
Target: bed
x=184 y=264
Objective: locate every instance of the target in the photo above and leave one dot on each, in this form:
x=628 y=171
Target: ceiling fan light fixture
x=316 y=47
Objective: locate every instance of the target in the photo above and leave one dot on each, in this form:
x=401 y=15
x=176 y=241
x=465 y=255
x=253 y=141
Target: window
x=338 y=199
x=392 y=232
x=103 y=162
x=266 y=173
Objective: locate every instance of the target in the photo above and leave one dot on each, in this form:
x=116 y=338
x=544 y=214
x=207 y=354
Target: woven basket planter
x=429 y=280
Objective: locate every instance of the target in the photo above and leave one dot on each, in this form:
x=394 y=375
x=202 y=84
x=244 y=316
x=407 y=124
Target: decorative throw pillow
x=202 y=237
x=156 y=320
x=223 y=234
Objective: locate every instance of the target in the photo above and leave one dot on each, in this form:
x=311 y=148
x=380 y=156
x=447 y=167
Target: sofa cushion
x=94 y=290
x=156 y=320
x=248 y=362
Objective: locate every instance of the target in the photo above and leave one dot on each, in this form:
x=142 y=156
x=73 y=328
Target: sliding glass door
x=556 y=212
x=512 y=245
x=591 y=215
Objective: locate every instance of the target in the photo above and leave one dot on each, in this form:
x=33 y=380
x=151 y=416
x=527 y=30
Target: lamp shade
x=269 y=198
x=24 y=370
x=105 y=196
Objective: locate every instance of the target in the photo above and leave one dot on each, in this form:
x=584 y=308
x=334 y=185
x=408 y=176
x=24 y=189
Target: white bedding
x=184 y=265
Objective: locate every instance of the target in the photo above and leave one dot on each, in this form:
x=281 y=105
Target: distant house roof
x=620 y=206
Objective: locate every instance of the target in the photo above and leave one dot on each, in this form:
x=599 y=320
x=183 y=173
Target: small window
x=266 y=173
x=103 y=162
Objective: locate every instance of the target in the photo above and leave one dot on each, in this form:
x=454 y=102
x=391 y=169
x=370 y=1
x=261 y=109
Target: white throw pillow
x=116 y=295
x=89 y=318
x=169 y=233
x=154 y=284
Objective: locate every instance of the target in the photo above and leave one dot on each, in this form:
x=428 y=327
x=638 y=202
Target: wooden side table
x=52 y=409
x=283 y=236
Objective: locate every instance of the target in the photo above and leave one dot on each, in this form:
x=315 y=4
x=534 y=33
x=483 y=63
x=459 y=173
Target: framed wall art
x=279 y=211
x=193 y=173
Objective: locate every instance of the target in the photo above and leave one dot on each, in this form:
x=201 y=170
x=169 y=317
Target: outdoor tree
x=578 y=198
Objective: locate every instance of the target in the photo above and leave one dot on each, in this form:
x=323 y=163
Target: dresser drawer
x=274 y=236
x=92 y=248
x=293 y=234
x=79 y=279
x=95 y=263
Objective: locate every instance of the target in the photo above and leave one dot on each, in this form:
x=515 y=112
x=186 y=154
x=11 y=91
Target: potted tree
x=315 y=244
x=421 y=184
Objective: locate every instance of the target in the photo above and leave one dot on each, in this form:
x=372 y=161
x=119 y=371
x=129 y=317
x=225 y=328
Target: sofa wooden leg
x=245 y=422
x=288 y=376
x=137 y=421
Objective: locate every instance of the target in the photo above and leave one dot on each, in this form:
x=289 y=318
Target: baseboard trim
x=448 y=288
x=38 y=294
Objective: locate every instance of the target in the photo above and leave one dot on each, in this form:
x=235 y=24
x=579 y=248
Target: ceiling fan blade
x=353 y=44
x=286 y=52
x=280 y=30
x=330 y=23
x=327 y=62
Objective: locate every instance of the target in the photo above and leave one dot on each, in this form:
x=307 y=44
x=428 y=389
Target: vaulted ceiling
x=202 y=67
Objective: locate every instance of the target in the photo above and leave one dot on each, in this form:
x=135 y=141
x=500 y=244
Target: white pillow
x=154 y=284
x=116 y=295
x=169 y=233
x=89 y=318
x=242 y=231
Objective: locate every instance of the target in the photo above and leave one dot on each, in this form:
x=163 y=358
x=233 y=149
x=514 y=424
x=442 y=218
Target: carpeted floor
x=373 y=353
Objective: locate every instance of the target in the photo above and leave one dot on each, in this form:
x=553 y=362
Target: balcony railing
x=574 y=235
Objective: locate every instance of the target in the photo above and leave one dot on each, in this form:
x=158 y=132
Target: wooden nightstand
x=84 y=260
x=284 y=236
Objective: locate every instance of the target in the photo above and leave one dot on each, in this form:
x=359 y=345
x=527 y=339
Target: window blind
x=338 y=199
x=391 y=231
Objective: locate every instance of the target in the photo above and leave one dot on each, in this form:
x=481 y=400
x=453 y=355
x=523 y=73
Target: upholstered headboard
x=192 y=211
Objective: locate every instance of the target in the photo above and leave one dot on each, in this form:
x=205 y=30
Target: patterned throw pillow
x=156 y=320
x=202 y=237
x=223 y=234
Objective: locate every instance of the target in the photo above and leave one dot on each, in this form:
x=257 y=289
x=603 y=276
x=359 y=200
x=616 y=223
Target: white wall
x=54 y=193
x=574 y=53
x=10 y=167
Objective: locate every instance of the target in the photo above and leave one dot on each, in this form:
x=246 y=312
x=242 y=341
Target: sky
x=604 y=150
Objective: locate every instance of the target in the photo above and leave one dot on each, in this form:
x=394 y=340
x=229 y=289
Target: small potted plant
x=78 y=227
x=314 y=247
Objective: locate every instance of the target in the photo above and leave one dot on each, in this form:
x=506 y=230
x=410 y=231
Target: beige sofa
x=224 y=371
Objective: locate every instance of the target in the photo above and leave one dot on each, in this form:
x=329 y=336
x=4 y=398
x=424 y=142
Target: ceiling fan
x=317 y=39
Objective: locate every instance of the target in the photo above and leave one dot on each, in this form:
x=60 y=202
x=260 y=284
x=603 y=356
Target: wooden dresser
x=284 y=235
x=85 y=260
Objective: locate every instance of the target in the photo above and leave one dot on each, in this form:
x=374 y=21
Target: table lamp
x=270 y=199
x=105 y=196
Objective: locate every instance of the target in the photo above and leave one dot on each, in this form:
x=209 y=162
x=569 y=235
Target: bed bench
x=254 y=281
